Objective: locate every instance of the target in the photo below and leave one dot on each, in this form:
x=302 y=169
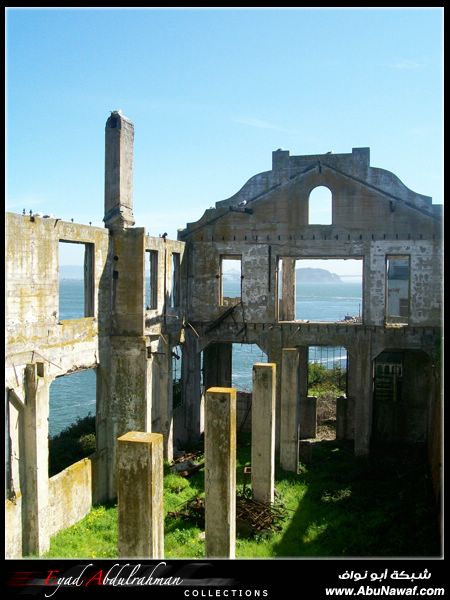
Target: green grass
x=338 y=505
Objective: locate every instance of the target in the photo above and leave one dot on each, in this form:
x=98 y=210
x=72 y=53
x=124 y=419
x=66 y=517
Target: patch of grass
x=339 y=505
x=95 y=536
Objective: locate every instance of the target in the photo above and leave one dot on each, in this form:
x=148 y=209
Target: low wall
x=70 y=495
x=13 y=528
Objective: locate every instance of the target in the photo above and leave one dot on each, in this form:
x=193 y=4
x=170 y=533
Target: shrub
x=73 y=443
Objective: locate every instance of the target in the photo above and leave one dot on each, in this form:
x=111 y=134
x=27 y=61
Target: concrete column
x=289 y=409
x=192 y=405
x=217 y=365
x=341 y=418
x=162 y=396
x=36 y=539
x=274 y=356
x=122 y=403
x=140 y=495
x=263 y=432
x=307 y=408
x=220 y=472
x=287 y=304
x=308 y=417
x=360 y=391
x=119 y=141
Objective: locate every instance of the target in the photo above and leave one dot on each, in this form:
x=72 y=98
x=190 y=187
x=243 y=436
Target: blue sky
x=212 y=92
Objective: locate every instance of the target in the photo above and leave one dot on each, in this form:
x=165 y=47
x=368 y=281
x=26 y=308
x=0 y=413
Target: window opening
x=175 y=288
x=230 y=280
x=397 y=289
x=320 y=290
x=151 y=279
x=320 y=206
x=176 y=376
x=76 y=280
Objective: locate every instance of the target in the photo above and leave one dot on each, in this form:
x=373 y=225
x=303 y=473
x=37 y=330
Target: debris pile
x=252 y=517
x=185 y=464
x=192 y=510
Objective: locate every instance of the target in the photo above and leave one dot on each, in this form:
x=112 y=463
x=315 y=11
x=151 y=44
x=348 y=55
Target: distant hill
x=307 y=275
x=310 y=275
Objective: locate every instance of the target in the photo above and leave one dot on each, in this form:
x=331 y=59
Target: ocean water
x=73 y=396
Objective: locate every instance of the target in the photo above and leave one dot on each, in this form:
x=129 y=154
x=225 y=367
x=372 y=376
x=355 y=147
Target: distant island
x=307 y=275
x=310 y=275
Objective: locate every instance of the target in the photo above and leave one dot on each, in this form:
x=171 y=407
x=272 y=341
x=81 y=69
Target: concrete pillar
x=220 y=472
x=89 y=280
x=263 y=432
x=217 y=365
x=289 y=409
x=341 y=418
x=287 y=304
x=274 y=356
x=360 y=390
x=192 y=405
x=308 y=417
x=119 y=141
x=34 y=484
x=122 y=403
x=140 y=495
x=307 y=408
x=162 y=396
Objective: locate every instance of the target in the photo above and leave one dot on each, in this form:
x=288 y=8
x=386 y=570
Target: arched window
x=320 y=206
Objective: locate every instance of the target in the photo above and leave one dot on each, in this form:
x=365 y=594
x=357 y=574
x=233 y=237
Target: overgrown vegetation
x=323 y=381
x=338 y=505
x=326 y=385
x=73 y=443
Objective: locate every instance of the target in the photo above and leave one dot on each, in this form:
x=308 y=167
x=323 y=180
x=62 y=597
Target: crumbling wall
x=374 y=216
x=70 y=495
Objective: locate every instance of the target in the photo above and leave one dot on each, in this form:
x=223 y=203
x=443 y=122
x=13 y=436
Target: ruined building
x=264 y=228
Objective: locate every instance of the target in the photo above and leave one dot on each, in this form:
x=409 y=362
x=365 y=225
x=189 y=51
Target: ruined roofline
x=356 y=164
x=267 y=182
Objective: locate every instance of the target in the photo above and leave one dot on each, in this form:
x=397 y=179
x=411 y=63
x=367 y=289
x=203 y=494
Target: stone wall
x=13 y=527
x=70 y=495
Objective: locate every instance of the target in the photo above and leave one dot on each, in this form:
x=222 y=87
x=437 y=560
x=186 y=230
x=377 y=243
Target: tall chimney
x=119 y=140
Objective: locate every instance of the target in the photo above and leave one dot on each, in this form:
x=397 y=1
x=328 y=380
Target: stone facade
x=129 y=338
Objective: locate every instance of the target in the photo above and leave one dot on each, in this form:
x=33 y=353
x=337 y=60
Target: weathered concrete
x=36 y=537
x=287 y=301
x=193 y=408
x=70 y=495
x=289 y=409
x=140 y=495
x=360 y=388
x=119 y=140
x=160 y=364
x=263 y=432
x=308 y=417
x=220 y=472
x=13 y=529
